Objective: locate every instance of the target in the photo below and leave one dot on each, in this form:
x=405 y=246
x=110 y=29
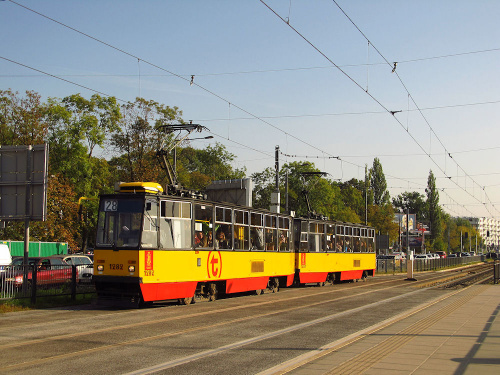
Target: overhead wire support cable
x=360 y=87
x=416 y=105
x=62 y=79
x=189 y=80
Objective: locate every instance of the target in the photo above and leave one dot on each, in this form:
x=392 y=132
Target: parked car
x=421 y=257
x=5 y=258
x=442 y=254
x=84 y=265
x=49 y=271
x=453 y=255
x=18 y=261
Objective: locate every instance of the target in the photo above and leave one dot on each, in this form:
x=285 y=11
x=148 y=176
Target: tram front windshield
x=119 y=222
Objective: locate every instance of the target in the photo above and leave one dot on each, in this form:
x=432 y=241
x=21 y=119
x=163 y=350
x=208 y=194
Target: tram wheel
x=321 y=284
x=212 y=292
x=258 y=292
x=274 y=285
x=186 y=301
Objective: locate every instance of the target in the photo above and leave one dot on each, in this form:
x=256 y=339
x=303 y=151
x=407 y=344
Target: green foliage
x=139 y=137
x=434 y=211
x=378 y=184
x=75 y=127
x=382 y=218
x=198 y=167
x=22 y=119
x=414 y=201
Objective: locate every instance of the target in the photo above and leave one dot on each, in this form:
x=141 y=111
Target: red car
x=49 y=271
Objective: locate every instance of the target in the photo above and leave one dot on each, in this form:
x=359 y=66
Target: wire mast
x=275 y=197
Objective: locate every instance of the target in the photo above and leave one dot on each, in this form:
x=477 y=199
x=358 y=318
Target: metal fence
x=39 y=281
x=399 y=265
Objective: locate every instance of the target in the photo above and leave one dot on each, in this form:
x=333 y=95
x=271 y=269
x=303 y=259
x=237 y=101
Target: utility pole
x=275 y=197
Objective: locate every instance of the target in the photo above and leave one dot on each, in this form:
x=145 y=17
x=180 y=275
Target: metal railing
x=33 y=282
x=399 y=265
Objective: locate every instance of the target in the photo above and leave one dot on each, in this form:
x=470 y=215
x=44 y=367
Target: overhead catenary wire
x=257 y=117
x=368 y=93
x=394 y=70
x=258 y=71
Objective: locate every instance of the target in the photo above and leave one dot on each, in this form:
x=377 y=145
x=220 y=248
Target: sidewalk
x=457 y=335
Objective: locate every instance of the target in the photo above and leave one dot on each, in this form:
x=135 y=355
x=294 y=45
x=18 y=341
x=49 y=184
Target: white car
x=84 y=265
x=421 y=257
x=5 y=258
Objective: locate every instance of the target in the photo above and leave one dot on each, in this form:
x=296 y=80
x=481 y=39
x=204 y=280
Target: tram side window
x=363 y=240
x=340 y=243
x=203 y=226
x=370 y=240
x=241 y=230
x=149 y=238
x=256 y=231
x=348 y=240
x=356 y=241
x=314 y=238
x=284 y=234
x=322 y=237
x=304 y=236
x=175 y=225
x=223 y=228
x=330 y=237
x=271 y=232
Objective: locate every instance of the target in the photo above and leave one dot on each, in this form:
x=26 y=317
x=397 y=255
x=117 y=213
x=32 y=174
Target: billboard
x=401 y=219
x=23 y=182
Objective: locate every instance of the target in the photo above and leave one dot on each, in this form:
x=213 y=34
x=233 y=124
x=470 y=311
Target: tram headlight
x=131 y=268
x=100 y=268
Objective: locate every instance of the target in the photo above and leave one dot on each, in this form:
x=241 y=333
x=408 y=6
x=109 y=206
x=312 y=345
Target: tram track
x=364 y=360
x=379 y=285
x=430 y=280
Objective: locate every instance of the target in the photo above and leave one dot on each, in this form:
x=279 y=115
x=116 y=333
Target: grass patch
x=24 y=304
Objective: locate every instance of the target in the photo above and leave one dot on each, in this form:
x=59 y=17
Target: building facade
x=489 y=230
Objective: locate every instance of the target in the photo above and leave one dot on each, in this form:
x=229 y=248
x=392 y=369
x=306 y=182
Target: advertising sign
x=23 y=182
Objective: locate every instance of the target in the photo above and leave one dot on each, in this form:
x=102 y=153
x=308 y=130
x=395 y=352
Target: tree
x=353 y=196
x=434 y=211
x=413 y=201
x=138 y=139
x=93 y=119
x=378 y=184
x=76 y=126
x=198 y=167
x=22 y=119
x=324 y=195
x=382 y=219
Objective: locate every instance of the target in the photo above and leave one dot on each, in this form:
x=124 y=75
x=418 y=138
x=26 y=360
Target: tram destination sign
x=23 y=182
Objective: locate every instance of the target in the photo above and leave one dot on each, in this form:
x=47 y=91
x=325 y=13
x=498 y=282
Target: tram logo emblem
x=148 y=261
x=214 y=264
x=302 y=260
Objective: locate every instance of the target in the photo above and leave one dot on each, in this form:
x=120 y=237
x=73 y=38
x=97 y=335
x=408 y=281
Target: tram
x=152 y=246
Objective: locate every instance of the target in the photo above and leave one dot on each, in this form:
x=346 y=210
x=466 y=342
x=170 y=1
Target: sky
x=314 y=77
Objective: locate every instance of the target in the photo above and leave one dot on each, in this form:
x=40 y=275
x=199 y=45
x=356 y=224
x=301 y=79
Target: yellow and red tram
x=151 y=247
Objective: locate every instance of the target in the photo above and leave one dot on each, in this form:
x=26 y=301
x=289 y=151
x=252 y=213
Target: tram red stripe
x=244 y=285
x=351 y=275
x=313 y=277
x=164 y=291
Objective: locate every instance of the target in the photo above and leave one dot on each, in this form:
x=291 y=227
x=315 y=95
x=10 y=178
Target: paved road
x=242 y=335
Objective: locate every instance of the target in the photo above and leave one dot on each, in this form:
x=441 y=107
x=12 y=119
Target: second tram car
x=152 y=247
